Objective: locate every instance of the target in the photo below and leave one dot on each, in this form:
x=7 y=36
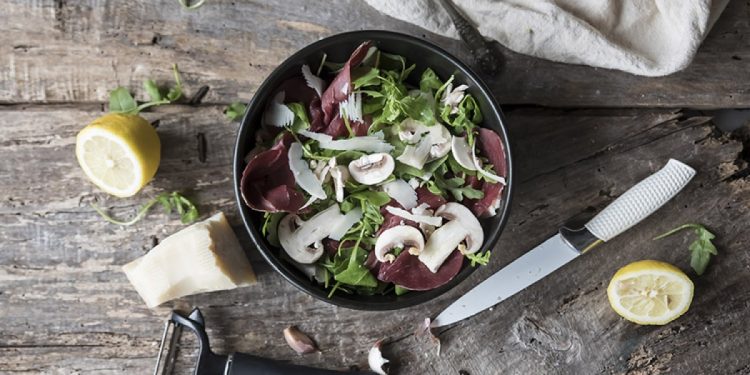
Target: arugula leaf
x=270 y=227
x=355 y=272
x=701 y=249
x=420 y=107
x=175 y=92
x=301 y=121
x=152 y=90
x=376 y=198
x=170 y=201
x=477 y=258
x=429 y=81
x=400 y=291
x=121 y=101
x=235 y=111
x=366 y=77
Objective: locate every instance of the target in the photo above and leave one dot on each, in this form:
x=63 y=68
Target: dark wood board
x=76 y=51
x=65 y=306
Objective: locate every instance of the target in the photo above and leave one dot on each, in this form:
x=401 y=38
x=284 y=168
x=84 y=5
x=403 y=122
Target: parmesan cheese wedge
x=203 y=257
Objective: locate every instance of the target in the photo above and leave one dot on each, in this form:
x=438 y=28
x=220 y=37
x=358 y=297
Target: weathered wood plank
x=65 y=306
x=62 y=51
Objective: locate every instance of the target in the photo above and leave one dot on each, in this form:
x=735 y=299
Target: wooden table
x=581 y=137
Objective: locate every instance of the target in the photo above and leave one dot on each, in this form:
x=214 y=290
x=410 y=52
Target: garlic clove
x=375 y=359
x=298 y=341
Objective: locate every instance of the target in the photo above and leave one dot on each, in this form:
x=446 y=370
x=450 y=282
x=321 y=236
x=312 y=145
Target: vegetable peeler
x=210 y=363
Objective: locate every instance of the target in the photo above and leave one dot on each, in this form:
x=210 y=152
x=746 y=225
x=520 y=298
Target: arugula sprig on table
x=701 y=249
x=173 y=201
x=121 y=101
x=235 y=111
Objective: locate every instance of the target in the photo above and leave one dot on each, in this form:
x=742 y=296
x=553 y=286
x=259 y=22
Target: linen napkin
x=643 y=37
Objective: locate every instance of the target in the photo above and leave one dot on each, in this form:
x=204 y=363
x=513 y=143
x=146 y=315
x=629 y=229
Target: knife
x=634 y=205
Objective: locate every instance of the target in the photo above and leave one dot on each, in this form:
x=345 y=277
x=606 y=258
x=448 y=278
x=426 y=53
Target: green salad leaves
x=173 y=201
x=120 y=100
x=701 y=249
x=391 y=92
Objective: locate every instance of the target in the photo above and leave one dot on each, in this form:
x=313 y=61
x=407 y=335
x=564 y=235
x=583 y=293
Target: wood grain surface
x=76 y=51
x=66 y=307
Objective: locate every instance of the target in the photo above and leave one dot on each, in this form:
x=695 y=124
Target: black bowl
x=338 y=48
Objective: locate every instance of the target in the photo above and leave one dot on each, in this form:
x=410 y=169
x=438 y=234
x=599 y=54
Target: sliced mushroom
x=424 y=210
x=441 y=143
x=434 y=145
x=452 y=97
x=463 y=227
x=298 y=238
x=403 y=236
x=372 y=169
x=462 y=153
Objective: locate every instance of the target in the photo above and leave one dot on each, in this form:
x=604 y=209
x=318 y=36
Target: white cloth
x=644 y=37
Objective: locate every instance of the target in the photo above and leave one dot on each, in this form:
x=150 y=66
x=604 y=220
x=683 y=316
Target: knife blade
x=631 y=207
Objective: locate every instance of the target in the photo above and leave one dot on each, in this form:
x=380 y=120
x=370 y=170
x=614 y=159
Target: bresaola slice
x=424 y=195
x=341 y=86
x=492 y=148
x=268 y=184
x=408 y=272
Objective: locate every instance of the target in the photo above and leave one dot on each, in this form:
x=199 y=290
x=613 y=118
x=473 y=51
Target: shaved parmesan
x=351 y=108
x=462 y=153
x=369 y=143
x=313 y=81
x=343 y=225
x=277 y=114
x=431 y=220
x=304 y=177
x=402 y=192
x=489 y=175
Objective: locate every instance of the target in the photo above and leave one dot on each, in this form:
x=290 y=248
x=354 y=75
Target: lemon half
x=119 y=153
x=650 y=292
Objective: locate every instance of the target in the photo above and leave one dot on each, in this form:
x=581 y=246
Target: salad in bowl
x=371 y=180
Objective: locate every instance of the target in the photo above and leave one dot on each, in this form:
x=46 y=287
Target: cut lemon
x=119 y=153
x=650 y=292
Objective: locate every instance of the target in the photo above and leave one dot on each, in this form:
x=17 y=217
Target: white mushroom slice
x=424 y=209
x=347 y=221
x=375 y=359
x=372 y=169
x=415 y=156
x=453 y=97
x=411 y=131
x=304 y=177
x=462 y=227
x=441 y=144
x=457 y=212
x=402 y=236
x=313 y=81
x=402 y=192
x=351 y=108
x=431 y=220
x=277 y=114
x=414 y=183
x=489 y=175
x=462 y=153
x=299 y=242
x=435 y=144
x=368 y=143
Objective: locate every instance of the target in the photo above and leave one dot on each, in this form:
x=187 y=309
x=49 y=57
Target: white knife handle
x=641 y=200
